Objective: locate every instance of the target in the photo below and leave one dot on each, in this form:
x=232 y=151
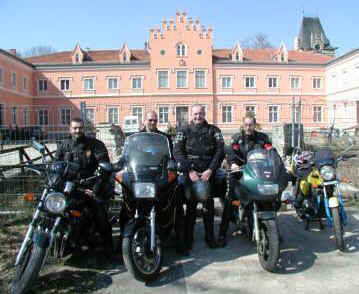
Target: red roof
x=266 y=55
x=249 y=55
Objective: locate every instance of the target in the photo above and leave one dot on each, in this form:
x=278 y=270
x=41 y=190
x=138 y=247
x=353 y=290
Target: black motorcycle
x=149 y=185
x=61 y=221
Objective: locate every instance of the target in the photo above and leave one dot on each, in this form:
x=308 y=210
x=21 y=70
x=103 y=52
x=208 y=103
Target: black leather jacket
x=241 y=144
x=199 y=147
x=86 y=151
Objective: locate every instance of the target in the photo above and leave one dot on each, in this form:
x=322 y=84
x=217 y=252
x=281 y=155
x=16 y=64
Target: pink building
x=177 y=68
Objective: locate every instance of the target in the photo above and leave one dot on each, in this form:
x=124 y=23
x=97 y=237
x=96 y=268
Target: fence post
x=21 y=157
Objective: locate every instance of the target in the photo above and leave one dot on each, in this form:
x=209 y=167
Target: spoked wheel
x=268 y=246
x=338 y=228
x=143 y=263
x=28 y=269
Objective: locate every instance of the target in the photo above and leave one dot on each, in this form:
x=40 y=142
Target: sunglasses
x=152 y=120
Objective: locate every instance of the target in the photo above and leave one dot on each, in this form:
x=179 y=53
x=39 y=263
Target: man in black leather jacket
x=88 y=153
x=199 y=149
x=241 y=143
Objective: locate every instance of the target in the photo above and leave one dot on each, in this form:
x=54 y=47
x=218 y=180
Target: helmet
x=303 y=160
x=201 y=190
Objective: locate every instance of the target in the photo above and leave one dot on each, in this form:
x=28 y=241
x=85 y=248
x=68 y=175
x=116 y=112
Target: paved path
x=309 y=264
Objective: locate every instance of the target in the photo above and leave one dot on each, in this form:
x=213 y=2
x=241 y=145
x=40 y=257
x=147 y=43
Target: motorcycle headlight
x=55 y=202
x=144 y=190
x=327 y=172
x=270 y=189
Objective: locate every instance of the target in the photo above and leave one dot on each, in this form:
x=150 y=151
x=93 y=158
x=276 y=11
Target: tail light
x=75 y=213
x=236 y=202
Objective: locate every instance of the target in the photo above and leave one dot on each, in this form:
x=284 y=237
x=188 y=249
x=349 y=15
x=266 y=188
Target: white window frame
x=230 y=86
x=315 y=83
x=181 y=50
x=45 y=121
x=227 y=118
x=43 y=81
x=315 y=112
x=64 y=122
x=65 y=79
x=291 y=79
x=93 y=83
x=113 y=79
x=113 y=118
x=254 y=81
x=276 y=78
x=13 y=80
x=254 y=107
x=26 y=116
x=277 y=111
x=14 y=115
x=186 y=79
x=138 y=107
x=204 y=78
x=163 y=116
x=159 y=86
x=93 y=120
x=141 y=78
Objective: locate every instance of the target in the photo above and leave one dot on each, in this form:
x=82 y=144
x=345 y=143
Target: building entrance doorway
x=181 y=116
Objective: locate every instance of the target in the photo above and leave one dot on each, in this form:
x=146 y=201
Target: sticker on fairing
x=333 y=202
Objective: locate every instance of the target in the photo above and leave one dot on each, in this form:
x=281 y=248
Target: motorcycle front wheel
x=268 y=246
x=28 y=269
x=139 y=260
x=338 y=228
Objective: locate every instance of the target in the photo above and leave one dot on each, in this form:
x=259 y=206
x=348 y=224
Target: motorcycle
x=256 y=198
x=60 y=222
x=317 y=192
x=149 y=183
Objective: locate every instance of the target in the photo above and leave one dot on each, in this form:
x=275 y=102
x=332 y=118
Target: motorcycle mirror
x=39 y=147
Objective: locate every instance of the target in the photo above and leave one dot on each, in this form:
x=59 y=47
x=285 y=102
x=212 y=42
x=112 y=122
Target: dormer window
x=77 y=58
x=181 y=50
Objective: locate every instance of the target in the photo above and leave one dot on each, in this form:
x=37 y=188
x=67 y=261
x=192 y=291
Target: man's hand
x=206 y=174
x=89 y=193
x=234 y=167
x=193 y=175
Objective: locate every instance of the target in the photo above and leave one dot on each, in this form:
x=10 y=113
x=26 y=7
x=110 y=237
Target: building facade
x=177 y=68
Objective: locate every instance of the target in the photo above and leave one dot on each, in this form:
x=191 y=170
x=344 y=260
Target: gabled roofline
x=2 y=51
x=352 y=52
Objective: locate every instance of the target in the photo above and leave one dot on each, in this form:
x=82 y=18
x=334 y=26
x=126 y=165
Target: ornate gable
x=125 y=54
x=77 y=55
x=237 y=53
x=282 y=53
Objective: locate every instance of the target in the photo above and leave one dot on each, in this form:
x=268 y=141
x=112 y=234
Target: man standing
x=199 y=149
x=88 y=153
x=241 y=143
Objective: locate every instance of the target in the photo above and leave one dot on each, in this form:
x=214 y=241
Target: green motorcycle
x=256 y=201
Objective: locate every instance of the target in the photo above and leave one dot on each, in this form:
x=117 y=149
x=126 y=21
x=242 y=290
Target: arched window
x=181 y=50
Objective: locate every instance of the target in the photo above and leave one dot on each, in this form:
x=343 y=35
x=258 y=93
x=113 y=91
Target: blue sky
x=107 y=24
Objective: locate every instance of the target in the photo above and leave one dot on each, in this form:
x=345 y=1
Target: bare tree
x=258 y=41
x=38 y=50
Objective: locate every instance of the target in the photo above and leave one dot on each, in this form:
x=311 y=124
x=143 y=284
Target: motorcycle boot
x=223 y=228
x=208 y=220
x=190 y=218
x=180 y=230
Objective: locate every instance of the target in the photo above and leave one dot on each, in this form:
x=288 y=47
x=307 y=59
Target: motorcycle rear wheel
x=338 y=228
x=268 y=246
x=28 y=269
x=139 y=261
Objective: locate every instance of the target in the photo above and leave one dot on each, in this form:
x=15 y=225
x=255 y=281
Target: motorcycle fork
x=342 y=213
x=256 y=222
x=52 y=237
x=30 y=230
x=153 y=228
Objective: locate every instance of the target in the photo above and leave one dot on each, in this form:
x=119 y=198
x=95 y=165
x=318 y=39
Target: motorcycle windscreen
x=266 y=165
x=324 y=156
x=147 y=155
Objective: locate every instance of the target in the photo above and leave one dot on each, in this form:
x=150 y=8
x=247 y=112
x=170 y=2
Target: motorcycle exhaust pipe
x=256 y=223
x=153 y=228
